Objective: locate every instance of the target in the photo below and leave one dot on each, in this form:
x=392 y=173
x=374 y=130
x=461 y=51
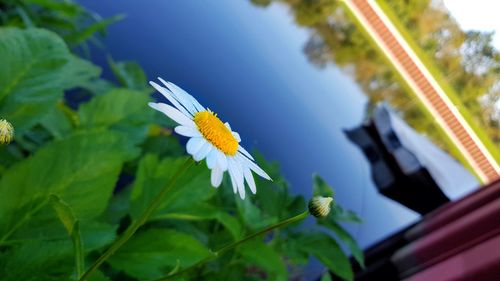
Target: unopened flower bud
x=319 y=206
x=6 y=132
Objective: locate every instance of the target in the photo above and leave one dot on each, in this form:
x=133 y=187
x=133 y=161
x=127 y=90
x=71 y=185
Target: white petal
x=169 y=95
x=232 y=177
x=180 y=97
x=221 y=160
x=250 y=180
x=187 y=131
x=253 y=166
x=245 y=152
x=238 y=174
x=203 y=152
x=194 y=144
x=236 y=136
x=212 y=159
x=196 y=104
x=216 y=177
x=178 y=91
x=173 y=114
x=228 y=126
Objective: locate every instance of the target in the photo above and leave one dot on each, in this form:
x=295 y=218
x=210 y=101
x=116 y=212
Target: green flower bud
x=6 y=132
x=319 y=206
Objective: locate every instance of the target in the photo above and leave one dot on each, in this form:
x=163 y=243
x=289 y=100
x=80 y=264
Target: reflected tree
x=467 y=60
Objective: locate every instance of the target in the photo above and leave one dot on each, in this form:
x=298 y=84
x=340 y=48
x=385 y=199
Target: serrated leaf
x=37 y=261
x=121 y=110
x=257 y=253
x=130 y=75
x=57 y=122
x=326 y=277
x=152 y=175
x=36 y=64
x=204 y=211
x=343 y=235
x=338 y=213
x=155 y=252
x=163 y=145
x=81 y=170
x=96 y=235
x=78 y=72
x=252 y=216
x=80 y=36
x=98 y=276
x=328 y=252
x=66 y=7
x=321 y=188
x=291 y=248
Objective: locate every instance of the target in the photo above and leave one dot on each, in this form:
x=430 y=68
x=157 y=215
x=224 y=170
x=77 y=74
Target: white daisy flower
x=210 y=139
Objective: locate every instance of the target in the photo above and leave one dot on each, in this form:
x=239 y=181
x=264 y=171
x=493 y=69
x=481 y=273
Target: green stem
x=78 y=246
x=138 y=223
x=231 y=246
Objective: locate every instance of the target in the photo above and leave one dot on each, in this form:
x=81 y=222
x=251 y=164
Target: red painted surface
x=481 y=263
x=451 y=212
x=450 y=239
x=461 y=242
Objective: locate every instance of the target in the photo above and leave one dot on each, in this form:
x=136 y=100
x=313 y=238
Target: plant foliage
x=79 y=173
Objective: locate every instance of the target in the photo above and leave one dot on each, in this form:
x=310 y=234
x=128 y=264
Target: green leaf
x=33 y=74
x=72 y=226
x=64 y=213
x=98 y=276
x=338 y=213
x=163 y=145
x=130 y=75
x=37 y=261
x=98 y=86
x=291 y=249
x=152 y=175
x=273 y=200
x=66 y=7
x=155 y=252
x=321 y=188
x=252 y=216
x=80 y=36
x=326 y=277
x=58 y=122
x=341 y=233
x=120 y=110
x=257 y=253
x=328 y=252
x=82 y=170
x=46 y=226
x=78 y=72
x=96 y=234
x=204 y=211
x=119 y=204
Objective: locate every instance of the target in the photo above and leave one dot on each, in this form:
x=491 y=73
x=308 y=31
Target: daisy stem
x=233 y=245
x=139 y=222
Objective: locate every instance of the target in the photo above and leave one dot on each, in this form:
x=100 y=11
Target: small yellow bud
x=319 y=206
x=6 y=132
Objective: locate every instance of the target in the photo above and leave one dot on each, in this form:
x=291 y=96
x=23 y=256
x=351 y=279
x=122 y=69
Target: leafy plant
x=77 y=175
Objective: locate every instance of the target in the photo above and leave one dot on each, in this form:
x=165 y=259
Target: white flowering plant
x=103 y=189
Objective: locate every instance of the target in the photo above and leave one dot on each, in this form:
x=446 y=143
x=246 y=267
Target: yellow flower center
x=212 y=129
